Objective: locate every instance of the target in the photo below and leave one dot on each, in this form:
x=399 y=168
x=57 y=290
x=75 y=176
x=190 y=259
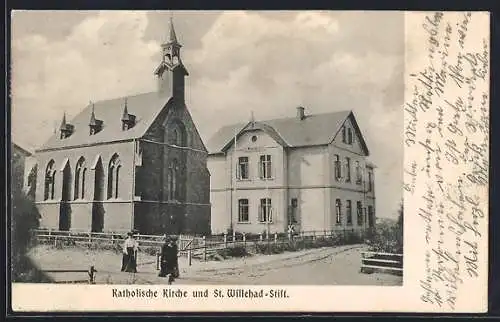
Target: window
x=265 y=214
x=242 y=173
x=348 y=169
x=243 y=210
x=265 y=167
x=370 y=187
x=359 y=177
x=113 y=176
x=359 y=213
x=50 y=174
x=173 y=170
x=254 y=138
x=371 y=216
x=344 y=134
x=338 y=212
x=348 y=211
x=80 y=172
x=349 y=136
x=337 y=167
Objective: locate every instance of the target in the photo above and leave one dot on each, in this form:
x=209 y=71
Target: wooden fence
x=371 y=261
x=91 y=274
x=195 y=246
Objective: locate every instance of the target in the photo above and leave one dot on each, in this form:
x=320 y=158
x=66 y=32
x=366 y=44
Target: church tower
x=170 y=72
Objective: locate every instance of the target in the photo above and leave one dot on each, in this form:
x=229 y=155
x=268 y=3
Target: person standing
x=129 y=261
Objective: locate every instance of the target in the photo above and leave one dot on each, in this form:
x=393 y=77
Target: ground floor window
x=338 y=212
x=348 y=211
x=265 y=214
x=243 y=210
x=359 y=207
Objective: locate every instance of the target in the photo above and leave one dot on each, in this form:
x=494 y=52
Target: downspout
x=133 y=187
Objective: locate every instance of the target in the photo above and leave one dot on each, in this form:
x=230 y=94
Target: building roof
x=145 y=107
x=317 y=129
x=21 y=149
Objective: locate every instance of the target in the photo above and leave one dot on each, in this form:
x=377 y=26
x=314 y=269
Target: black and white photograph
x=227 y=148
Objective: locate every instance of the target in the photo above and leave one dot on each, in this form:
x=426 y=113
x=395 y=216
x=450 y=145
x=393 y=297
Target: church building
x=133 y=162
x=304 y=173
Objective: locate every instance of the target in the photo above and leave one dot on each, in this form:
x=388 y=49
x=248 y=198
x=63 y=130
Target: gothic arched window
x=172 y=180
x=113 y=176
x=176 y=134
x=50 y=174
x=80 y=173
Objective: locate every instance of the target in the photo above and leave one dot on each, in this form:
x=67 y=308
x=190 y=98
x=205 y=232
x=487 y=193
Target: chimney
x=300 y=113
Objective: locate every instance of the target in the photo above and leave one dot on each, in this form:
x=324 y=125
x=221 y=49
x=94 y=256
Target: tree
x=24 y=217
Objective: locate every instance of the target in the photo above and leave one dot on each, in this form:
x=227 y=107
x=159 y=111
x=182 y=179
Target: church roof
x=317 y=129
x=145 y=107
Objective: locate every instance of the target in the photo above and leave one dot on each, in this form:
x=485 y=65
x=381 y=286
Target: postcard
x=266 y=161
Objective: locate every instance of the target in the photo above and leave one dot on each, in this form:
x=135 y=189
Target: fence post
x=324 y=234
x=189 y=256
x=244 y=240
x=158 y=255
x=275 y=238
x=289 y=235
x=314 y=235
x=204 y=248
x=225 y=240
x=234 y=236
x=260 y=236
x=90 y=238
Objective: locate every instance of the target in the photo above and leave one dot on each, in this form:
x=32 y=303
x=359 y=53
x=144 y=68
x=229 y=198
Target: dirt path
x=322 y=266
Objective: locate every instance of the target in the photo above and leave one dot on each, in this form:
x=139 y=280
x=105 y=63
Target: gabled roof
x=317 y=129
x=24 y=151
x=145 y=107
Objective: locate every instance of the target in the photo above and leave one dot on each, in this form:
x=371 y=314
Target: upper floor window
x=265 y=167
x=349 y=136
x=348 y=169
x=338 y=212
x=337 y=167
x=370 y=184
x=359 y=213
x=265 y=210
x=50 y=174
x=344 y=134
x=176 y=134
x=172 y=180
x=242 y=170
x=80 y=172
x=113 y=176
x=348 y=210
x=359 y=176
x=243 y=210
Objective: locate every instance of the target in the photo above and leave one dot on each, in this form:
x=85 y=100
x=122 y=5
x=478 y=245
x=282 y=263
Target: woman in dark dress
x=168 y=260
x=129 y=261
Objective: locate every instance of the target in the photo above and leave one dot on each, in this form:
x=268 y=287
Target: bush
x=24 y=218
x=236 y=251
x=388 y=237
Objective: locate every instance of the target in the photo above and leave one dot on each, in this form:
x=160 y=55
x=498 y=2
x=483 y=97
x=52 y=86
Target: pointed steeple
x=92 y=116
x=63 y=123
x=173 y=37
x=125 y=116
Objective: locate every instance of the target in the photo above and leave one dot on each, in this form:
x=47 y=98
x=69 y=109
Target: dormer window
x=67 y=131
x=94 y=124
x=128 y=120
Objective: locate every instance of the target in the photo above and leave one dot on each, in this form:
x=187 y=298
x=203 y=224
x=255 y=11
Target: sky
x=239 y=61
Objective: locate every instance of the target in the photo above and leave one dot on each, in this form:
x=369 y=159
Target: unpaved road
x=322 y=266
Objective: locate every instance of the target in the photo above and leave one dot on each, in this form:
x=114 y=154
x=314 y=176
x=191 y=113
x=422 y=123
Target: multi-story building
x=133 y=162
x=309 y=172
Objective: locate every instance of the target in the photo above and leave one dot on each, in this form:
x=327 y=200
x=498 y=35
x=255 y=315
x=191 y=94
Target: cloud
x=104 y=56
x=246 y=61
